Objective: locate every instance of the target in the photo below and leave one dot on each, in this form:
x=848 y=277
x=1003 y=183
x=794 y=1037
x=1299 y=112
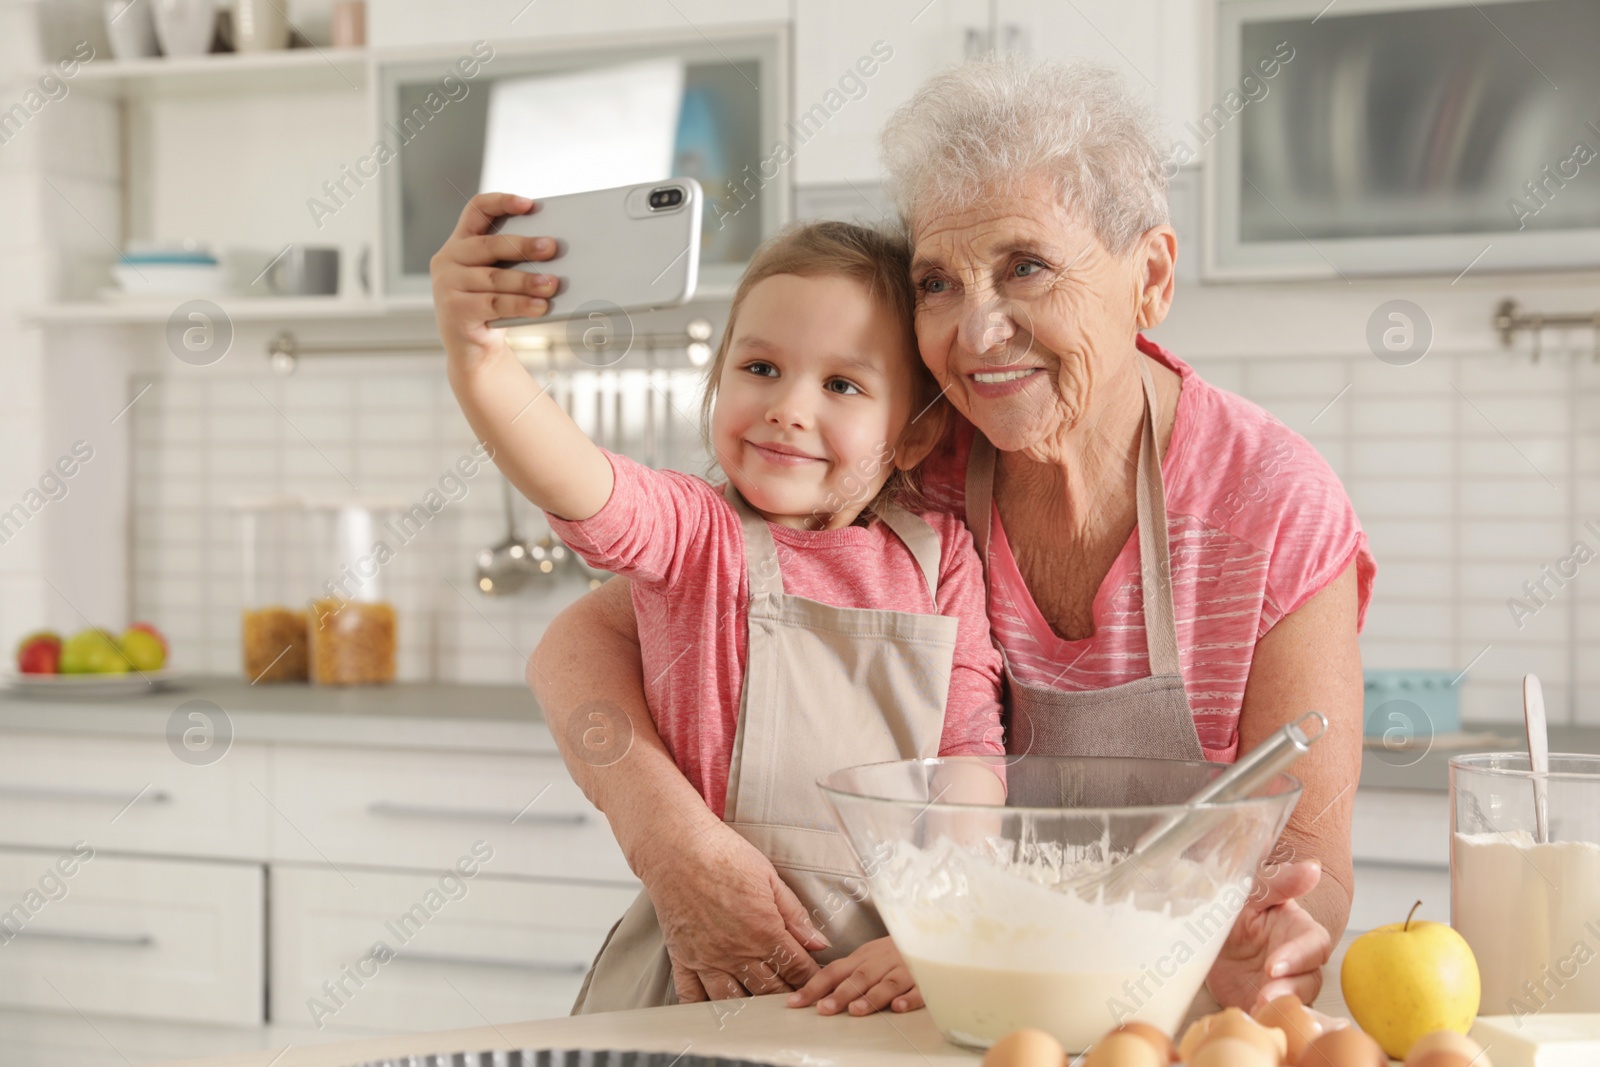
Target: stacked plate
x=150 y=268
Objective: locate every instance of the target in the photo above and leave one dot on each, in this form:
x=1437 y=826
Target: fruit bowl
x=990 y=874
x=91 y=686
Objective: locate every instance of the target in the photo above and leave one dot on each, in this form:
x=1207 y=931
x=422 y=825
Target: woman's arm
x=533 y=441
x=731 y=925
x=1309 y=661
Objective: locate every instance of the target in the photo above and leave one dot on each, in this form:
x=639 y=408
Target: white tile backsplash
x=202 y=444
x=1460 y=468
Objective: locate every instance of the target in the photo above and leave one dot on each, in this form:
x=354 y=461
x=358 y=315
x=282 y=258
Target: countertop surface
x=1428 y=769
x=762 y=1029
x=508 y=719
x=403 y=715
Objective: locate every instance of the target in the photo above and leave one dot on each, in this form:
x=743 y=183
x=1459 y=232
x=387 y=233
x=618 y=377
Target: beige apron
x=1145 y=717
x=824 y=688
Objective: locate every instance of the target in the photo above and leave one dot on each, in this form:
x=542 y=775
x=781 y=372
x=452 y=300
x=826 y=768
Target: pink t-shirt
x=1257 y=525
x=681 y=543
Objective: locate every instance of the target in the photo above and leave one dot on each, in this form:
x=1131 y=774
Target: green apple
x=92 y=652
x=1409 y=979
x=144 y=650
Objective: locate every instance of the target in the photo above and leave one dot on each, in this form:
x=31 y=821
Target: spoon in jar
x=1538 y=753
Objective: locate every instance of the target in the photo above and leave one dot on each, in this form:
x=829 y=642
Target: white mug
x=185 y=27
x=131 y=29
x=260 y=25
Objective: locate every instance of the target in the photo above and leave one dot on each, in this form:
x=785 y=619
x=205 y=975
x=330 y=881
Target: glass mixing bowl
x=991 y=874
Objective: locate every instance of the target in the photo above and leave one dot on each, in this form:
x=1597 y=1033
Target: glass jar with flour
x=1528 y=902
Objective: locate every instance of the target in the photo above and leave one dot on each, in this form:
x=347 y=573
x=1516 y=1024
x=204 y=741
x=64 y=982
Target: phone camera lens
x=665 y=198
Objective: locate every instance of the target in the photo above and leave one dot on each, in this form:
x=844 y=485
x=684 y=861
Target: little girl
x=798 y=619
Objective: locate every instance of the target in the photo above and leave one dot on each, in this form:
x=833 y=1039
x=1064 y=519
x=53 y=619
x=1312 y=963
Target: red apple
x=39 y=653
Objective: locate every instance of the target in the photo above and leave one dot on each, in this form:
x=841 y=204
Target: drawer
x=423 y=810
x=455 y=952
x=148 y=938
x=55 y=790
x=1401 y=826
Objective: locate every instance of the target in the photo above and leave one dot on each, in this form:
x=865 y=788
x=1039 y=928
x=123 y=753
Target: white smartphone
x=632 y=248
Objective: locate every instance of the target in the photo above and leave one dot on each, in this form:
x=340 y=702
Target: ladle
x=507 y=566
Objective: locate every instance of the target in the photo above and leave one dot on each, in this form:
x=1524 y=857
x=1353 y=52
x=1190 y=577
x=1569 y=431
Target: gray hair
x=990 y=124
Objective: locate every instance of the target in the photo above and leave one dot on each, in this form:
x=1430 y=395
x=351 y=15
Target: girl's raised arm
x=538 y=447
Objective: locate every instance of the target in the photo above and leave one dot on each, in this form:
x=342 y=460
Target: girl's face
x=813 y=397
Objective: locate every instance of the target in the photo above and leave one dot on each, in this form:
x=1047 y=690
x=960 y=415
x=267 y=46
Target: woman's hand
x=870 y=978
x=470 y=290
x=1275 y=946
x=732 y=927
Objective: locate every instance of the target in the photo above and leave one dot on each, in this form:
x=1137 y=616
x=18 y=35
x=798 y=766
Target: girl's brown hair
x=878 y=261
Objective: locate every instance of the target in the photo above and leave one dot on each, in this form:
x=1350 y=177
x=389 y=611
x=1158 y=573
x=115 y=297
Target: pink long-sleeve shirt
x=681 y=543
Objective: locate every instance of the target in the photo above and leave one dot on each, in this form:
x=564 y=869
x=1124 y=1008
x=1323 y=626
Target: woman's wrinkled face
x=1020 y=308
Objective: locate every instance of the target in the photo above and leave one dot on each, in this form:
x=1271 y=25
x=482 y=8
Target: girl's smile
x=816 y=388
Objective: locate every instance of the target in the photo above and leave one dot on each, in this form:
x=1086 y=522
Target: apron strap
x=980 y=493
x=760 y=552
x=1155 y=558
x=920 y=538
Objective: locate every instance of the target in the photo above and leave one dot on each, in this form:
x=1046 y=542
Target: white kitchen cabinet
x=457 y=952
x=1400 y=842
x=131 y=795
x=424 y=810
x=401 y=23
x=146 y=938
x=831 y=37
x=1156 y=45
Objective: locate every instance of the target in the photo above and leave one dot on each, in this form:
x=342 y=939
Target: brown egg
x=1123 y=1049
x=1442 y=1058
x=1231 y=1052
x=1446 y=1043
x=1343 y=1048
x=1025 y=1048
x=1200 y=1030
x=1243 y=1028
x=1157 y=1037
x=1299 y=1026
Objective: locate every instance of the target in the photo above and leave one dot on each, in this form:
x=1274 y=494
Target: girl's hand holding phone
x=470 y=289
x=533 y=441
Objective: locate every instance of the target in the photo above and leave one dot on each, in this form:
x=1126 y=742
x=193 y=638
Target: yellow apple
x=1408 y=979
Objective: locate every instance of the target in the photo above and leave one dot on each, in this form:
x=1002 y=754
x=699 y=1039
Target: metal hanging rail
x=285 y=349
x=1510 y=320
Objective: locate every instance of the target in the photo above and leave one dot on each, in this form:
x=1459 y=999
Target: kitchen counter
x=506 y=718
x=500 y=718
x=1431 y=772
x=761 y=1028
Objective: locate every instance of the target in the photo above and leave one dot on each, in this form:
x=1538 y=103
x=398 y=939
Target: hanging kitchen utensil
x=508 y=566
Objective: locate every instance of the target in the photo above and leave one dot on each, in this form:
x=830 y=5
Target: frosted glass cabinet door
x=855 y=63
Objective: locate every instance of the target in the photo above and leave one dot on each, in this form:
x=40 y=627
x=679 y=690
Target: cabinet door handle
x=94 y=796
x=84 y=937
x=385 y=809
x=542 y=966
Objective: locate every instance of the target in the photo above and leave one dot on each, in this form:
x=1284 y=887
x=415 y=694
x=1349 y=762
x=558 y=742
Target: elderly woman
x=1171 y=571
